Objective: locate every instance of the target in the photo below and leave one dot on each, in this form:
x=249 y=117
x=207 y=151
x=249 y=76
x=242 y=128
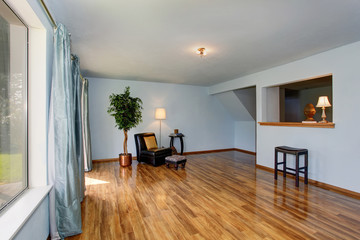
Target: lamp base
x=323 y=116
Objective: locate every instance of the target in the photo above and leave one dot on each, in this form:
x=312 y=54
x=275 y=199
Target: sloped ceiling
x=247 y=97
x=155 y=40
x=240 y=103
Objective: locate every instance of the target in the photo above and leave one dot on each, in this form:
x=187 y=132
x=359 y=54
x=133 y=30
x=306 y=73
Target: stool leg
x=276 y=164
x=167 y=165
x=297 y=171
x=176 y=166
x=183 y=165
x=284 y=165
x=306 y=168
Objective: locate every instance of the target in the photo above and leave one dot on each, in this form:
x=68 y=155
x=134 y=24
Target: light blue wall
x=37 y=226
x=245 y=133
x=199 y=116
x=241 y=105
x=332 y=152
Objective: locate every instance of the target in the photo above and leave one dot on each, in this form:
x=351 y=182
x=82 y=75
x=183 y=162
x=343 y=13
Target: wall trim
x=209 y=151
x=105 y=160
x=322 y=185
x=245 y=151
x=95 y=161
x=221 y=150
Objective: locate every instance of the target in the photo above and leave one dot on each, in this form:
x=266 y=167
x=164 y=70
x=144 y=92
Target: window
x=13 y=105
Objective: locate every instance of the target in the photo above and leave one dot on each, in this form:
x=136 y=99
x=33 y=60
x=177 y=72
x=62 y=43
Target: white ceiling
x=156 y=40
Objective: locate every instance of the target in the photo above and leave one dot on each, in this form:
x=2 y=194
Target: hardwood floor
x=217 y=196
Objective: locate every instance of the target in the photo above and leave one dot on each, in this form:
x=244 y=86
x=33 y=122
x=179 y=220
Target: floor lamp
x=160 y=114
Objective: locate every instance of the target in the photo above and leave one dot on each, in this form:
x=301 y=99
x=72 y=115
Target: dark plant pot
x=125 y=159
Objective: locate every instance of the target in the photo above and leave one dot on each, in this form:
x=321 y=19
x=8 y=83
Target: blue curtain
x=77 y=94
x=86 y=126
x=64 y=167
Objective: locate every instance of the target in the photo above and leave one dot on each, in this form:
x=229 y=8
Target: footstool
x=293 y=171
x=175 y=159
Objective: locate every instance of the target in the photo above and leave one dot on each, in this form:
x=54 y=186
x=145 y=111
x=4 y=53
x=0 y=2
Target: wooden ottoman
x=175 y=159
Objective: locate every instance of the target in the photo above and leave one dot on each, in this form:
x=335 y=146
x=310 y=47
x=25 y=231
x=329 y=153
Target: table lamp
x=160 y=114
x=323 y=102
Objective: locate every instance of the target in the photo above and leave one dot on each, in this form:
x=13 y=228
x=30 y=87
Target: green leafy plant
x=127 y=112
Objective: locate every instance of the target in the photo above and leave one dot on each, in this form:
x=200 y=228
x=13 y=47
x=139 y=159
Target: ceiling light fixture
x=201 y=51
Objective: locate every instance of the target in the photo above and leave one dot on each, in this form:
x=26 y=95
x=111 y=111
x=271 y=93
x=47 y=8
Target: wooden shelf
x=298 y=124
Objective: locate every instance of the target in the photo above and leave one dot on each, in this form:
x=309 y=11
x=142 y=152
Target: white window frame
x=16 y=214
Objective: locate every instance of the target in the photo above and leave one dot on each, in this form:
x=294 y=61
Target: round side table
x=180 y=136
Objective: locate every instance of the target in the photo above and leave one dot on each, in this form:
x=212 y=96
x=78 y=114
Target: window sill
x=298 y=124
x=16 y=215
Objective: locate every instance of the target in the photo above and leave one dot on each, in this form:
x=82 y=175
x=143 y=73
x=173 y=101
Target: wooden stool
x=297 y=152
x=175 y=159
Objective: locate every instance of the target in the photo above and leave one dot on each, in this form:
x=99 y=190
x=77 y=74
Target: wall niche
x=285 y=103
x=294 y=97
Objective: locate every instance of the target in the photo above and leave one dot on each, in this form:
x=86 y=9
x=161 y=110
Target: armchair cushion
x=154 y=156
x=150 y=142
x=155 y=152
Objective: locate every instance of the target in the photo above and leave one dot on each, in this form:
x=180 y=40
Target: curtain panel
x=63 y=163
x=86 y=126
x=77 y=96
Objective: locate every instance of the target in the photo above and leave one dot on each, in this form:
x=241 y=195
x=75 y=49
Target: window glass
x=13 y=105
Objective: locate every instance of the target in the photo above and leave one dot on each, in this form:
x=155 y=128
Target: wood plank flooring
x=217 y=196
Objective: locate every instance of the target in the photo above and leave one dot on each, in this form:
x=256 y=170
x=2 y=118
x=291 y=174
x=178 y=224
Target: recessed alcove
x=285 y=103
x=295 y=96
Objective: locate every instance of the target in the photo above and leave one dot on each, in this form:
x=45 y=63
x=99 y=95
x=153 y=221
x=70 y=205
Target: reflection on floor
x=94 y=181
x=217 y=196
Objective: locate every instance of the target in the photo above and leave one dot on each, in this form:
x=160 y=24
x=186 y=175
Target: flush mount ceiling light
x=201 y=52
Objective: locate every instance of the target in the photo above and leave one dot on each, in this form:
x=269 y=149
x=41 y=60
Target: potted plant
x=127 y=113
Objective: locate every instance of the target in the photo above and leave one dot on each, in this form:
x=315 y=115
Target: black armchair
x=155 y=156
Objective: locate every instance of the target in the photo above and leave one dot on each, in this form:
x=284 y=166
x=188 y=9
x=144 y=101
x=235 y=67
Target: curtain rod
x=48 y=13
x=55 y=26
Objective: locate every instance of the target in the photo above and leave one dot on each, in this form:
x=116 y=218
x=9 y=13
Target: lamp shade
x=323 y=102
x=160 y=113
